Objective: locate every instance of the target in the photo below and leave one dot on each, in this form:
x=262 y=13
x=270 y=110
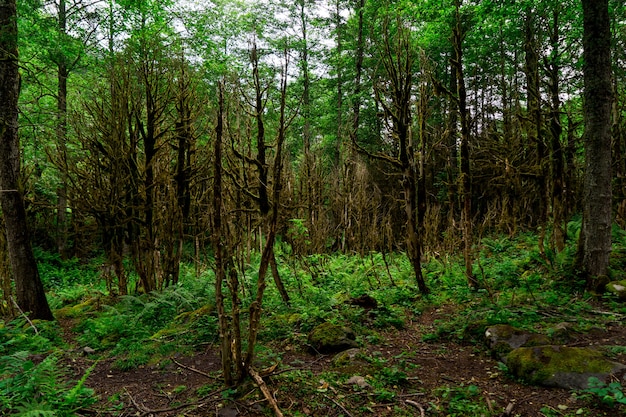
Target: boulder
x=502 y=339
x=347 y=357
x=617 y=288
x=330 y=338
x=562 y=333
x=560 y=366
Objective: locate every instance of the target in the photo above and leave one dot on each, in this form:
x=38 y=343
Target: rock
x=228 y=411
x=562 y=332
x=560 y=366
x=367 y=302
x=330 y=338
x=503 y=338
x=358 y=381
x=346 y=358
x=617 y=288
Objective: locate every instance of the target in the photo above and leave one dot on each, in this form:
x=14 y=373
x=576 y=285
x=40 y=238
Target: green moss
x=78 y=309
x=539 y=365
x=328 y=337
x=618 y=288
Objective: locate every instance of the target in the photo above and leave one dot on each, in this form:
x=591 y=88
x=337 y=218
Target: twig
x=24 y=314
x=144 y=411
x=606 y=313
x=486 y=396
x=193 y=369
x=508 y=410
x=415 y=394
x=416 y=405
x=339 y=405
x=139 y=408
x=266 y=392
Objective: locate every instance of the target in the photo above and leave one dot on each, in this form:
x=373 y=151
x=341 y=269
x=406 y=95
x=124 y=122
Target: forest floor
x=423 y=378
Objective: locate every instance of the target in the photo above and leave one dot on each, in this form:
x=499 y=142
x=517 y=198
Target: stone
x=365 y=301
x=617 y=288
x=560 y=366
x=562 y=332
x=358 y=381
x=330 y=338
x=503 y=338
x=345 y=358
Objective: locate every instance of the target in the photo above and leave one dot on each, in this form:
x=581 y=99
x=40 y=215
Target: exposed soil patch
x=190 y=385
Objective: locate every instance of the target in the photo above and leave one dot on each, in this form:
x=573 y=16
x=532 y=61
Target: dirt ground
x=171 y=389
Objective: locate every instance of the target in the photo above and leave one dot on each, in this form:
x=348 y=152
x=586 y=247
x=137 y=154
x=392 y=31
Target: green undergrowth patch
x=29 y=388
x=519 y=286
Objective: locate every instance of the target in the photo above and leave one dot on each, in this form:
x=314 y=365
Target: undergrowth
x=519 y=286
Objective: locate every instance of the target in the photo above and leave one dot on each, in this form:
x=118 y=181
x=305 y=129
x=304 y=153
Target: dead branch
x=339 y=405
x=416 y=405
x=193 y=369
x=266 y=392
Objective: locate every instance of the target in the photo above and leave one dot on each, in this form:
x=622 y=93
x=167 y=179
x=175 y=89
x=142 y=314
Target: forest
x=192 y=190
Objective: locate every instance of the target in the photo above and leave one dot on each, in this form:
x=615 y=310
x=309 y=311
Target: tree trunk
x=556 y=150
x=598 y=96
x=466 y=192
x=61 y=132
x=534 y=129
x=28 y=286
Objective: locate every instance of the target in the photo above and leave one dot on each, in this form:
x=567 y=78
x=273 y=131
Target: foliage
x=43 y=389
x=464 y=400
x=609 y=395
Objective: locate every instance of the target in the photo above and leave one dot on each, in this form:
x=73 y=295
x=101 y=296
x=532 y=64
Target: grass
x=521 y=287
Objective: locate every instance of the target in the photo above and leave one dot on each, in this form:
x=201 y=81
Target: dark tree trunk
x=28 y=287
x=465 y=180
x=598 y=96
x=62 y=76
x=535 y=121
x=556 y=150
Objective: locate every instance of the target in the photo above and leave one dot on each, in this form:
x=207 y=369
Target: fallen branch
x=266 y=392
x=339 y=405
x=192 y=369
x=508 y=410
x=24 y=314
x=143 y=411
x=416 y=405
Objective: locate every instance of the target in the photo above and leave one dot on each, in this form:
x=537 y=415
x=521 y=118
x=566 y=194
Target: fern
x=34 y=409
x=40 y=390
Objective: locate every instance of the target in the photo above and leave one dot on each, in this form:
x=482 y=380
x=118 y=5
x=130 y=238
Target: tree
x=598 y=99
x=458 y=34
x=28 y=286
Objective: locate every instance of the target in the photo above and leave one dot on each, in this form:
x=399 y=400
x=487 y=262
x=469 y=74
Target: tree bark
x=29 y=289
x=598 y=96
x=465 y=173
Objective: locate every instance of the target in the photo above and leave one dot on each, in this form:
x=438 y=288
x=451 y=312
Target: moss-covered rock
x=502 y=339
x=347 y=357
x=617 y=288
x=562 y=333
x=560 y=366
x=330 y=338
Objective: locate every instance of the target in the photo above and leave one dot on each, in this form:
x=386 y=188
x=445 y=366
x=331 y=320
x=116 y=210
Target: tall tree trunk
x=598 y=97
x=62 y=75
x=219 y=249
x=466 y=192
x=356 y=95
x=556 y=150
x=267 y=255
x=533 y=97
x=29 y=289
x=339 y=69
